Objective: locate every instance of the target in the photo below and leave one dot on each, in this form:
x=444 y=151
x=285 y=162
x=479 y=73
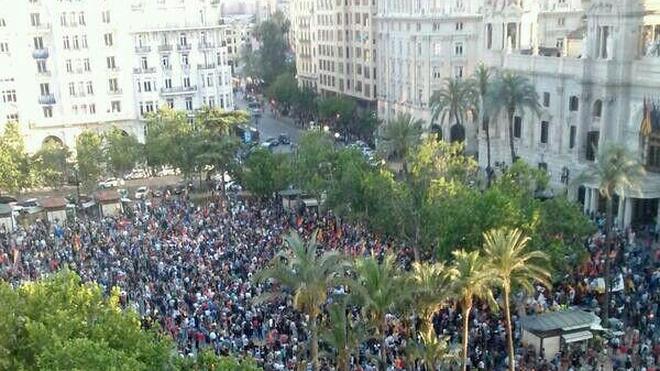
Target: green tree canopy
x=51 y=163
x=265 y=173
x=89 y=157
x=122 y=150
x=16 y=173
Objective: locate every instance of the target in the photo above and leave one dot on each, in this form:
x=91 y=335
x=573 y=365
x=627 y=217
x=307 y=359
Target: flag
x=646 y=128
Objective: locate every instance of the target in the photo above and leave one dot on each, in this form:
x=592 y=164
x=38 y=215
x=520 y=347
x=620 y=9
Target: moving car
x=111 y=183
x=270 y=143
x=284 y=139
x=141 y=193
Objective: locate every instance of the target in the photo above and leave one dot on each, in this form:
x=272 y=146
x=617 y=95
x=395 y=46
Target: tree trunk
x=486 y=126
x=315 y=344
x=383 y=353
x=509 y=329
x=466 y=323
x=511 y=146
x=609 y=241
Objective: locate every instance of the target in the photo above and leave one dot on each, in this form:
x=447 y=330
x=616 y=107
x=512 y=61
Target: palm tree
x=481 y=82
x=432 y=351
x=506 y=253
x=471 y=279
x=430 y=290
x=512 y=93
x=453 y=101
x=399 y=137
x=615 y=172
x=379 y=289
x=308 y=275
x=342 y=335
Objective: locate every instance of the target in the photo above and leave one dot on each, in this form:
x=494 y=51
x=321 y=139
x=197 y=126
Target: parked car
x=270 y=143
x=141 y=193
x=284 y=139
x=255 y=109
x=111 y=183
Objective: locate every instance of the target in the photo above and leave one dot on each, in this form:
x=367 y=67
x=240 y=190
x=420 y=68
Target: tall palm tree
x=453 y=101
x=512 y=93
x=399 y=137
x=615 y=171
x=430 y=290
x=308 y=275
x=481 y=82
x=379 y=288
x=342 y=335
x=506 y=252
x=471 y=278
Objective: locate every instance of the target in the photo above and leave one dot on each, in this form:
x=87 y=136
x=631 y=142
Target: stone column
x=620 y=211
x=627 y=213
x=587 y=199
x=594 y=199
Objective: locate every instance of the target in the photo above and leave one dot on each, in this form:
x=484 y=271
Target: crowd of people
x=187 y=269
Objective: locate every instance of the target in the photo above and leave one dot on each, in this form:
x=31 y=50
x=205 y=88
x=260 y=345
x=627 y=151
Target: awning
x=577 y=336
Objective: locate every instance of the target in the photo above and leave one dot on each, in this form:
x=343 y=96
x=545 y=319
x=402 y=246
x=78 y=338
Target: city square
x=329 y=185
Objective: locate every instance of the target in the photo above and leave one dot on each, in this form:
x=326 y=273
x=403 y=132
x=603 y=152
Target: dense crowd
x=187 y=269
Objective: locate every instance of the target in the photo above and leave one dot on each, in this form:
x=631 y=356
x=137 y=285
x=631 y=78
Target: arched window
x=598 y=109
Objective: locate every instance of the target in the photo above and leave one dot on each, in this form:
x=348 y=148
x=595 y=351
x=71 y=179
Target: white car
x=111 y=183
x=141 y=193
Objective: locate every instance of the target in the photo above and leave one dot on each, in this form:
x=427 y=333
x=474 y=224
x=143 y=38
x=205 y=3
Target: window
x=459 y=26
x=81 y=18
x=458 y=72
x=168 y=83
x=65 y=42
x=63 y=19
x=69 y=66
x=189 y=105
x=144 y=63
x=83 y=41
x=183 y=40
x=111 y=62
x=546 y=99
x=41 y=66
x=211 y=102
x=545 y=127
x=165 y=61
x=34 y=19
x=108 y=39
x=38 y=42
x=86 y=65
x=184 y=59
x=113 y=85
x=592 y=145
x=76 y=43
x=572 y=134
x=92 y=108
x=561 y=21
x=105 y=16
x=209 y=80
x=48 y=111
x=598 y=109
x=574 y=104
x=147 y=86
x=458 y=48
x=4 y=48
x=489 y=36
x=13 y=117
x=149 y=107
x=186 y=82
x=9 y=96
x=170 y=103
x=115 y=106
x=3 y=23
x=72 y=89
x=517 y=127
x=90 y=88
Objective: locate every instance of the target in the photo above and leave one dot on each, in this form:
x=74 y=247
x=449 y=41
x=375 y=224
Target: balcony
x=164 y=48
x=44 y=73
x=183 y=47
x=178 y=90
x=208 y=66
x=47 y=99
x=40 y=53
x=206 y=45
x=144 y=70
x=143 y=49
x=115 y=92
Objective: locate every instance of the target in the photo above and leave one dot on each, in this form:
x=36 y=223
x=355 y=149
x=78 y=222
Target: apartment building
x=302 y=35
x=237 y=35
x=69 y=66
x=179 y=57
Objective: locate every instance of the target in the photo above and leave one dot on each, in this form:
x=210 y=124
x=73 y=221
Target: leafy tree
x=284 y=90
x=453 y=101
x=506 y=253
x=342 y=335
x=314 y=162
x=365 y=126
x=60 y=323
x=16 y=173
x=208 y=361
x=399 y=138
x=305 y=104
x=512 y=93
x=51 y=163
x=430 y=291
x=431 y=351
x=270 y=59
x=471 y=279
x=216 y=122
x=123 y=151
x=89 y=157
x=308 y=275
x=615 y=171
x=164 y=127
x=265 y=173
x=379 y=288
x=337 y=111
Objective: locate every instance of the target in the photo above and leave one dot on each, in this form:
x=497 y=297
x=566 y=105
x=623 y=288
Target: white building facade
x=302 y=35
x=70 y=66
